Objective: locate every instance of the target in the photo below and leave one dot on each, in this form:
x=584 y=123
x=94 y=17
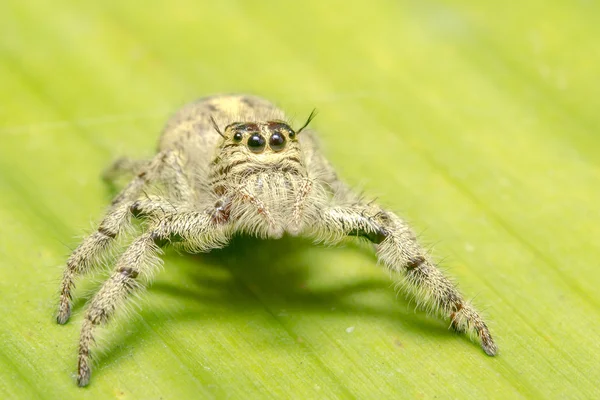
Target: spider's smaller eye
x=292 y=134
x=256 y=143
x=237 y=137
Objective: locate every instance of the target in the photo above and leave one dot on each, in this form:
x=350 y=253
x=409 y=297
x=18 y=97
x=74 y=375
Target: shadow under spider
x=260 y=274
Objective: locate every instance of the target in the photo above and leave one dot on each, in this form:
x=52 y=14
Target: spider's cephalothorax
x=260 y=178
x=228 y=164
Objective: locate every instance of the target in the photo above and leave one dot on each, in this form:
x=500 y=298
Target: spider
x=230 y=164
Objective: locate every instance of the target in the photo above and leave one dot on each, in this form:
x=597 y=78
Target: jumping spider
x=230 y=164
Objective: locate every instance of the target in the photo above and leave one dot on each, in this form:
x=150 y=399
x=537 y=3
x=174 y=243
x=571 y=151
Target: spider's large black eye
x=237 y=137
x=277 y=141
x=256 y=143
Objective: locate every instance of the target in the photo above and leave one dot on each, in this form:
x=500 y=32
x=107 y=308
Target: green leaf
x=476 y=121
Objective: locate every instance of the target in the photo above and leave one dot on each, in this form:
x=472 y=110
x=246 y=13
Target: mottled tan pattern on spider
x=228 y=164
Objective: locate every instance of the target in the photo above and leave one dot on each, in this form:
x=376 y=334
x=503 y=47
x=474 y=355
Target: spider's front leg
x=398 y=249
x=87 y=254
x=195 y=230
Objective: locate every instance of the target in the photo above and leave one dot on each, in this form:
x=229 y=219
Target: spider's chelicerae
x=231 y=164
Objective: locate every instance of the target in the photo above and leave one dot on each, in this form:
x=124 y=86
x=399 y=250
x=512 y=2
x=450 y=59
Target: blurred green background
x=477 y=121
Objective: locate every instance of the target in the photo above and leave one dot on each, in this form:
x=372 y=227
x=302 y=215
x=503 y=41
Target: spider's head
x=259 y=137
x=272 y=136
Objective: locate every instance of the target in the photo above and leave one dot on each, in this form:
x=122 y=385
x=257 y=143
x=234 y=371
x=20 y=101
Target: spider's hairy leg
x=174 y=174
x=196 y=230
x=138 y=259
x=398 y=249
x=153 y=205
x=87 y=254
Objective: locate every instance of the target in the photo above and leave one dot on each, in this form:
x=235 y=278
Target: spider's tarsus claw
x=490 y=348
x=63 y=315
x=83 y=380
x=84 y=373
x=487 y=343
